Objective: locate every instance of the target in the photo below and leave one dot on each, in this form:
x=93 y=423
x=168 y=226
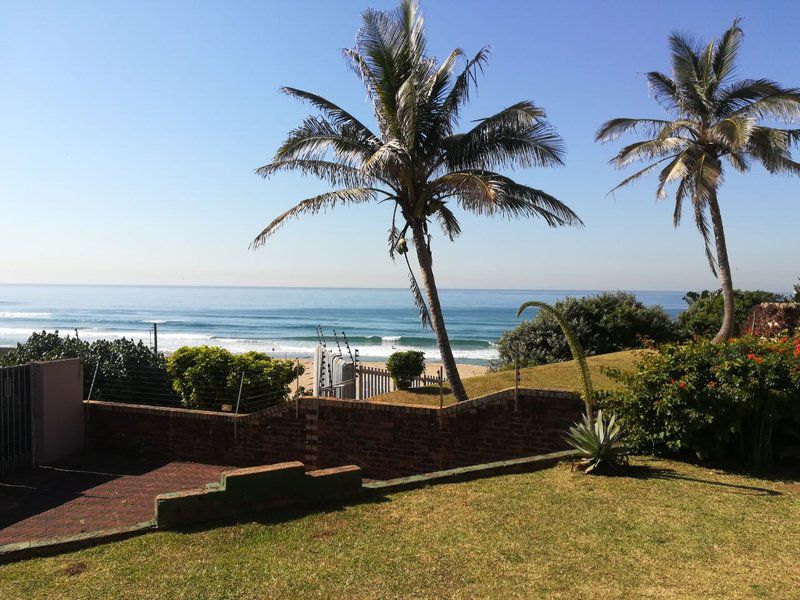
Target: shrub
x=796 y=291
x=125 y=370
x=208 y=376
x=405 y=367
x=703 y=318
x=607 y=322
x=714 y=401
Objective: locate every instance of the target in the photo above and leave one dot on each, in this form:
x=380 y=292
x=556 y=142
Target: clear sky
x=129 y=132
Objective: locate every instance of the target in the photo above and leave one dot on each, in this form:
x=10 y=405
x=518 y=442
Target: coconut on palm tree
x=713 y=122
x=415 y=159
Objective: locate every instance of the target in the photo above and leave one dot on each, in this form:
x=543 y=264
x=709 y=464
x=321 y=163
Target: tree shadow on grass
x=277 y=516
x=646 y=472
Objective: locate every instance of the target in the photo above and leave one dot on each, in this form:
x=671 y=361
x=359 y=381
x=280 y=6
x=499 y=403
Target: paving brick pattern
x=91 y=493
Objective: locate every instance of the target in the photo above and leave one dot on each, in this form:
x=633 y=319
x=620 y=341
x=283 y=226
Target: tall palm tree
x=713 y=121
x=416 y=161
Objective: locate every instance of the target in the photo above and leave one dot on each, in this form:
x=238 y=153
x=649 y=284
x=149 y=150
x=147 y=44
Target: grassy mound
x=555 y=376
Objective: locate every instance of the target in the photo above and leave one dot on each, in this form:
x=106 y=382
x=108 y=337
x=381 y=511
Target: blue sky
x=130 y=132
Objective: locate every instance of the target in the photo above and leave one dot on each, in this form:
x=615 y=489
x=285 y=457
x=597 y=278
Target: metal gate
x=16 y=420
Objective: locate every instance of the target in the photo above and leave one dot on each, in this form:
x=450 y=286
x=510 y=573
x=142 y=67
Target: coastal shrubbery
x=120 y=369
x=208 y=376
x=405 y=366
x=606 y=322
x=196 y=377
x=735 y=401
x=703 y=318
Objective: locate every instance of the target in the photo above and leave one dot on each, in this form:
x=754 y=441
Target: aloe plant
x=599 y=441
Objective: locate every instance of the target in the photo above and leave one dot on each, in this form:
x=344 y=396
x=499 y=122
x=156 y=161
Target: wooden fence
x=374 y=381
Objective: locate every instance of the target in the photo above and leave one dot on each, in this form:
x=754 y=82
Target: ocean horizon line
x=331 y=287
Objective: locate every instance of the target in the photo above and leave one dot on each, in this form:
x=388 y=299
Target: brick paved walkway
x=91 y=493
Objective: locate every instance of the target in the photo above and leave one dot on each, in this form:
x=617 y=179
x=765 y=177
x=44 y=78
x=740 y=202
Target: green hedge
x=606 y=322
x=703 y=318
x=207 y=377
x=125 y=370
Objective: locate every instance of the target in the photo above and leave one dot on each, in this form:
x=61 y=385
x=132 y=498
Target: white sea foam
x=171 y=341
x=24 y=315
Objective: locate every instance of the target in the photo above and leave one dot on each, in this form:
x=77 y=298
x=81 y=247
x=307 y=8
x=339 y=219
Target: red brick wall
x=384 y=440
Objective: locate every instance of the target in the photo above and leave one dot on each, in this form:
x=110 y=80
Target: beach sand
x=465 y=370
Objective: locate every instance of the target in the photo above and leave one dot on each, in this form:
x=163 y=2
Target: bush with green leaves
x=122 y=369
x=405 y=366
x=207 y=377
x=729 y=402
x=606 y=322
x=703 y=318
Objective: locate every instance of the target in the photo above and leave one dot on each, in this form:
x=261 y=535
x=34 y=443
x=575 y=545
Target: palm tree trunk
x=728 y=329
x=437 y=319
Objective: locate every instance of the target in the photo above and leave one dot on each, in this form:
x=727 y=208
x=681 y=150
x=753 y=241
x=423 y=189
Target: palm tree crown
x=415 y=159
x=713 y=121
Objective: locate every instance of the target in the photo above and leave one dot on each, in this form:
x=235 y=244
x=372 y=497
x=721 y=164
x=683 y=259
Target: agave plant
x=599 y=441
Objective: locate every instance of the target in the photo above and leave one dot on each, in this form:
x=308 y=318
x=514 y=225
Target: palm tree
x=712 y=121
x=416 y=161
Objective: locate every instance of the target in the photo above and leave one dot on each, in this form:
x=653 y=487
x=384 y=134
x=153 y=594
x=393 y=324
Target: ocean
x=280 y=321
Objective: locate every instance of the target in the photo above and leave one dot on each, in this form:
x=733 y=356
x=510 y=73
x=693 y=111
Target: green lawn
x=663 y=530
x=558 y=376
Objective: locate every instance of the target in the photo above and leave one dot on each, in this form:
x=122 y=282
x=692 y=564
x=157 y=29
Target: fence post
x=441 y=389
x=238 y=399
x=516 y=382
x=91 y=387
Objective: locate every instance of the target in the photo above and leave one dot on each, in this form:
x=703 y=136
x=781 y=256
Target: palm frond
x=613 y=129
x=459 y=93
x=316 y=136
x=336 y=174
x=518 y=135
x=638 y=175
x=665 y=90
x=759 y=98
x=770 y=146
x=676 y=169
x=357 y=195
x=648 y=150
x=448 y=222
x=726 y=51
x=488 y=193
x=337 y=115
x=419 y=298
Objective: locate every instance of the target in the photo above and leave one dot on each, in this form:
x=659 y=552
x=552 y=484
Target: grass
x=661 y=529
x=557 y=376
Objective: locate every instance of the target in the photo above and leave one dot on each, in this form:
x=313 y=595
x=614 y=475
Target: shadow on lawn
x=278 y=516
x=649 y=472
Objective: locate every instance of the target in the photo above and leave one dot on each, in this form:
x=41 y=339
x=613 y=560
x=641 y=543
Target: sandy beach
x=465 y=370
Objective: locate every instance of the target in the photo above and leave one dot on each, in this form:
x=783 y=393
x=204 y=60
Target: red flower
x=751 y=356
x=682 y=384
x=712 y=384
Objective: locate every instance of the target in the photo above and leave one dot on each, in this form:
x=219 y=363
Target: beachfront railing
x=374 y=381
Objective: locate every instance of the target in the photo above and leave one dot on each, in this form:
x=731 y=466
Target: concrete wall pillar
x=58 y=413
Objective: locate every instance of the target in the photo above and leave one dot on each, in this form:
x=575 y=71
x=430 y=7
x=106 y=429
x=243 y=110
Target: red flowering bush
x=729 y=401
